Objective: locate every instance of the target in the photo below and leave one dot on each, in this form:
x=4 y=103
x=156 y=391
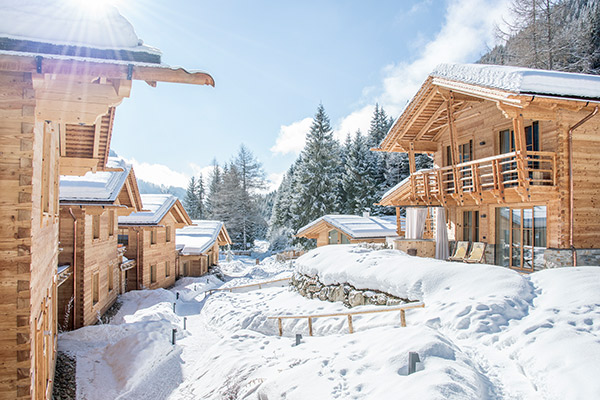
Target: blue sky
x=273 y=63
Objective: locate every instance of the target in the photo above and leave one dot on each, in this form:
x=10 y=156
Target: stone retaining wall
x=312 y=288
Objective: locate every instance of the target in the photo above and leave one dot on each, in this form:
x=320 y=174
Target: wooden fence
x=349 y=315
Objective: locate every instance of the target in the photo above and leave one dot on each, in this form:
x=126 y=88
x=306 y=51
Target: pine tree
x=318 y=175
x=214 y=186
x=200 y=197
x=358 y=183
x=190 y=202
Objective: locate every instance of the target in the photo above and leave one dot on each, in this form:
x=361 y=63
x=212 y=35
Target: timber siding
x=95 y=256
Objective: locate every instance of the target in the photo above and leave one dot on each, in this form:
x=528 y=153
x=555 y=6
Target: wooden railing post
x=403 y=318
x=310 y=330
x=350 y=327
x=280 y=325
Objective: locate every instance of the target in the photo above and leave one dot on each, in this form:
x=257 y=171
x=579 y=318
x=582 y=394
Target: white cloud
x=360 y=119
x=158 y=174
x=468 y=27
x=198 y=170
x=292 y=137
x=273 y=181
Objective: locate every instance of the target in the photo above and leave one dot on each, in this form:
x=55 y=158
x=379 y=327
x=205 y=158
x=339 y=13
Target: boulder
x=337 y=294
x=356 y=298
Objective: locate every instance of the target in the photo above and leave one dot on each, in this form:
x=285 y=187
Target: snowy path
x=485 y=333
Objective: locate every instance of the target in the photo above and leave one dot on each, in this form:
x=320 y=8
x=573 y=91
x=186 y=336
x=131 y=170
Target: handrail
x=259 y=284
x=348 y=314
x=537 y=168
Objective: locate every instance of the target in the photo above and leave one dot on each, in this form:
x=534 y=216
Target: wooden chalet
x=88 y=230
x=149 y=238
x=198 y=246
x=346 y=229
x=516 y=157
x=58 y=93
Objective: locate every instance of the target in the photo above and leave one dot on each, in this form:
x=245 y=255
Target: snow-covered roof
x=197 y=238
x=522 y=80
x=157 y=206
x=70 y=23
x=103 y=186
x=396 y=187
x=356 y=226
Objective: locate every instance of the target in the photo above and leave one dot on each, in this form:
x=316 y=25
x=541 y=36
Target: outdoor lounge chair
x=460 y=251
x=477 y=253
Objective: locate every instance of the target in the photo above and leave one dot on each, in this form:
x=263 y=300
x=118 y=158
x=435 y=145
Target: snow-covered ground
x=486 y=333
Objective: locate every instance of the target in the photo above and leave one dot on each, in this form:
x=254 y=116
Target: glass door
x=520 y=237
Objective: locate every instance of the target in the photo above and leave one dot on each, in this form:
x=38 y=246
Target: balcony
x=509 y=177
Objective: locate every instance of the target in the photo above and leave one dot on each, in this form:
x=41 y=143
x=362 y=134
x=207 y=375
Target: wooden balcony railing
x=497 y=173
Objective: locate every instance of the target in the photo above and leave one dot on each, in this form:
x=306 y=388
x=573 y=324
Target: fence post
x=310 y=331
x=403 y=318
x=173 y=332
x=280 y=326
x=350 y=327
x=413 y=359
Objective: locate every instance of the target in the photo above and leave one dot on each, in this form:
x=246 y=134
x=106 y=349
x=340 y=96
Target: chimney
x=367 y=213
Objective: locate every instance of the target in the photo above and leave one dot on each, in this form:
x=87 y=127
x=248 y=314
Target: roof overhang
x=106 y=68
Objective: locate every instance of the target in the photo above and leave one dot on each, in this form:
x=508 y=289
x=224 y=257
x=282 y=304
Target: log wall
x=28 y=242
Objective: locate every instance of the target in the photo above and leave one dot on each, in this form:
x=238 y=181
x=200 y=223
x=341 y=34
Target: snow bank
x=471 y=298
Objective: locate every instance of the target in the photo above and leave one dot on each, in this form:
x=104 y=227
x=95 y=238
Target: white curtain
x=441 y=235
x=415 y=222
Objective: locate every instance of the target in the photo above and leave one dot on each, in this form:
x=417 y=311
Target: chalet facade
x=198 y=246
x=149 y=238
x=89 y=209
x=516 y=155
x=346 y=229
x=51 y=87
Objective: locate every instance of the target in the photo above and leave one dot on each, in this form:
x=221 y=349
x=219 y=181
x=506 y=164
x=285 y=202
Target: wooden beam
x=97 y=131
x=77 y=166
x=62 y=129
x=418 y=147
x=432 y=120
x=419 y=110
x=104 y=68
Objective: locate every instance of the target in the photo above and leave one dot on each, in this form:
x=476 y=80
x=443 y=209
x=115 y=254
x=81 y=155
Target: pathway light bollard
x=173 y=333
x=413 y=359
x=177 y=296
x=184 y=323
x=194 y=288
x=174 y=306
x=298 y=338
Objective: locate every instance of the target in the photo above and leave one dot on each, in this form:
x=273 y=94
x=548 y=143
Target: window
x=333 y=237
x=110 y=278
x=344 y=239
x=153 y=274
x=532 y=138
x=96 y=226
x=153 y=236
x=95 y=288
x=123 y=238
x=471 y=226
x=168 y=233
x=111 y=223
x=167 y=269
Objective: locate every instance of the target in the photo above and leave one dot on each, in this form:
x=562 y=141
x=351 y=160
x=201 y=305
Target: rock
x=324 y=294
x=380 y=299
x=356 y=298
x=337 y=294
x=312 y=289
x=392 y=301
